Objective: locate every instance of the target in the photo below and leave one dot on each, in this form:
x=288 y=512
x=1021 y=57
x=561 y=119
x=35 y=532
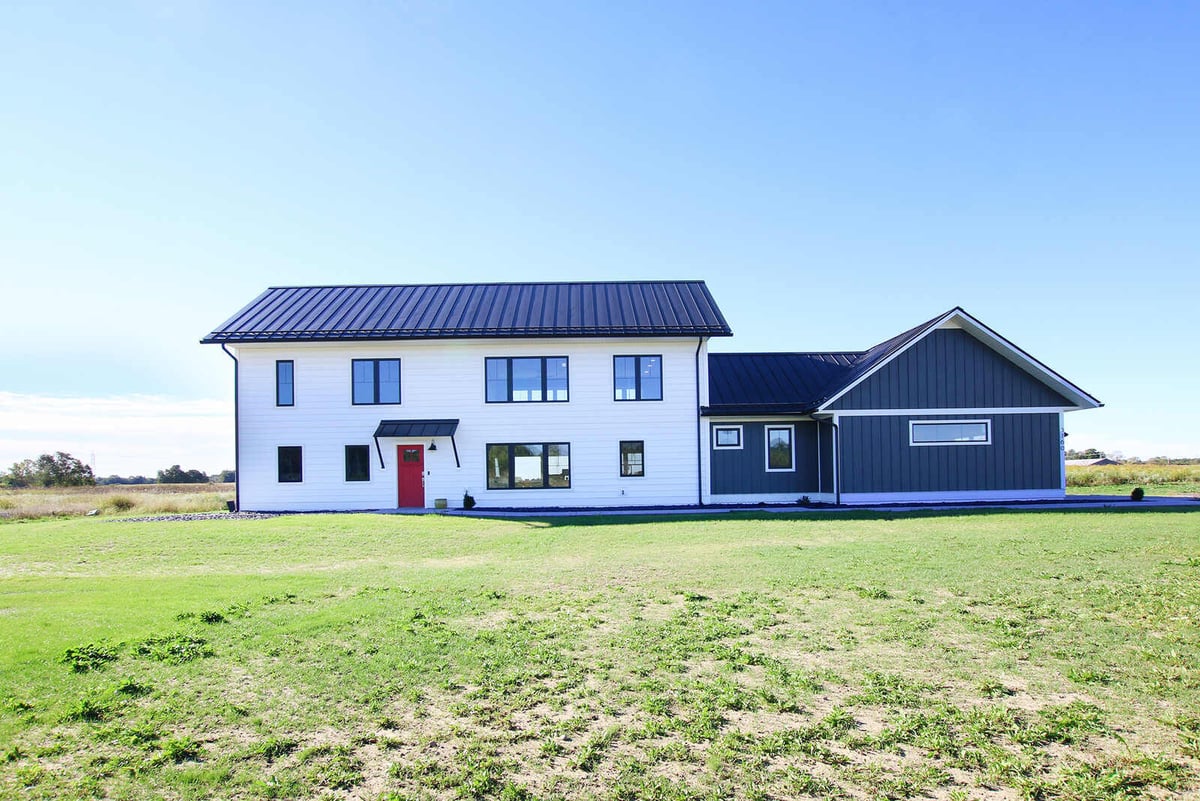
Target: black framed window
x=358 y=462
x=637 y=378
x=633 y=458
x=780 y=455
x=727 y=437
x=375 y=381
x=291 y=464
x=285 y=386
x=526 y=379
x=537 y=465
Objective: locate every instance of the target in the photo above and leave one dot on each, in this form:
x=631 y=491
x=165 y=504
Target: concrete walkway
x=1070 y=503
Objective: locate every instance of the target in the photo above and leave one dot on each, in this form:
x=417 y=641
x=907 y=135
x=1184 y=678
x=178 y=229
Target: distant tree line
x=1117 y=456
x=57 y=470
x=64 y=470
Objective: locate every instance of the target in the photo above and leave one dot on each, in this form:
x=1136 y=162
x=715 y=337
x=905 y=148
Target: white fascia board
x=755 y=418
x=960 y=411
x=958 y=318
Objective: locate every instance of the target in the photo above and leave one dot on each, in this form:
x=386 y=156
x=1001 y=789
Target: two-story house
x=604 y=395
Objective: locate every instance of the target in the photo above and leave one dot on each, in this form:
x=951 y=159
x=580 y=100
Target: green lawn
x=983 y=655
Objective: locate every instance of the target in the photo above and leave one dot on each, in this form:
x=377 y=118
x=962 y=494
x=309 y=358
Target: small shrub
x=120 y=503
x=182 y=749
x=88 y=709
x=85 y=658
x=468 y=500
x=174 y=648
x=1137 y=494
x=133 y=689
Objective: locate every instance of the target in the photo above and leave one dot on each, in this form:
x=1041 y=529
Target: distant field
x=113 y=499
x=990 y=655
x=1120 y=479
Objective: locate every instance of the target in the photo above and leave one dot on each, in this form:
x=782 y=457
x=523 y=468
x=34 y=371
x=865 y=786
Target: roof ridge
x=641 y=282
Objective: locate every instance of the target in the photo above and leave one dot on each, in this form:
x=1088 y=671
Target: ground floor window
x=781 y=454
x=539 y=465
x=291 y=464
x=358 y=462
x=633 y=461
x=727 y=437
x=950 y=432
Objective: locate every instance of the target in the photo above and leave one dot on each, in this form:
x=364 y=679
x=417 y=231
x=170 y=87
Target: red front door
x=410 y=475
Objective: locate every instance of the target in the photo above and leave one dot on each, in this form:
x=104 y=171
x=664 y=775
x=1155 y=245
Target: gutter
x=237 y=436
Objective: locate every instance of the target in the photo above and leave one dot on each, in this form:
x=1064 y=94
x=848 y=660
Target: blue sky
x=835 y=172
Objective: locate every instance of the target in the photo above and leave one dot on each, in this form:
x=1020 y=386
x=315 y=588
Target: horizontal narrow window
x=780 y=454
x=950 y=432
x=291 y=464
x=375 y=381
x=539 y=465
x=358 y=462
x=727 y=437
x=285 y=394
x=633 y=461
x=637 y=378
x=526 y=379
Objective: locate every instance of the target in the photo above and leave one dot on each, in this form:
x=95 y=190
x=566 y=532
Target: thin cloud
x=122 y=434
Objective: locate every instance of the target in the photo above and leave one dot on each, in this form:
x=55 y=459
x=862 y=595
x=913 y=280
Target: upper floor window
x=637 y=378
x=285 y=388
x=526 y=379
x=950 y=432
x=375 y=380
x=781 y=455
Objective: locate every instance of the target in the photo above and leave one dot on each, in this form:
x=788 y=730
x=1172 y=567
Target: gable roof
x=439 y=311
x=806 y=383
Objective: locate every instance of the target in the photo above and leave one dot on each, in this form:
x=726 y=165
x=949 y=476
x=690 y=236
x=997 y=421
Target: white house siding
x=445 y=379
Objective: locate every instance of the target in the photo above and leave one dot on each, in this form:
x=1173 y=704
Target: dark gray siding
x=1024 y=454
x=949 y=369
x=744 y=471
x=825 y=460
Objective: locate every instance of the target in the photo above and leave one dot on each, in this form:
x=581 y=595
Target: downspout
x=699 y=431
x=837 y=462
x=237 y=437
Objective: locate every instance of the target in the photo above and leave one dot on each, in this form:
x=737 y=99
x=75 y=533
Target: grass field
x=1120 y=479
x=114 y=499
x=986 y=655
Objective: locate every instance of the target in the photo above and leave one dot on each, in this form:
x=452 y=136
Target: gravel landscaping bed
x=196 y=516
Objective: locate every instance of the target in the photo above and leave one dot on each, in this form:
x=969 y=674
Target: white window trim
x=741 y=438
x=791 y=429
x=913 y=423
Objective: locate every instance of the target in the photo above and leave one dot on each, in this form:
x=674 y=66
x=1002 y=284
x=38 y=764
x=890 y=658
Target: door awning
x=416 y=429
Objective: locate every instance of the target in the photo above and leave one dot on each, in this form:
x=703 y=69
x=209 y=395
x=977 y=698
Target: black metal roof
x=438 y=311
x=773 y=383
x=792 y=383
x=416 y=428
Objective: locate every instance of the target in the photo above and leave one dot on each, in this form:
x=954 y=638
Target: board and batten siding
x=949 y=369
x=876 y=457
x=445 y=379
x=743 y=471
